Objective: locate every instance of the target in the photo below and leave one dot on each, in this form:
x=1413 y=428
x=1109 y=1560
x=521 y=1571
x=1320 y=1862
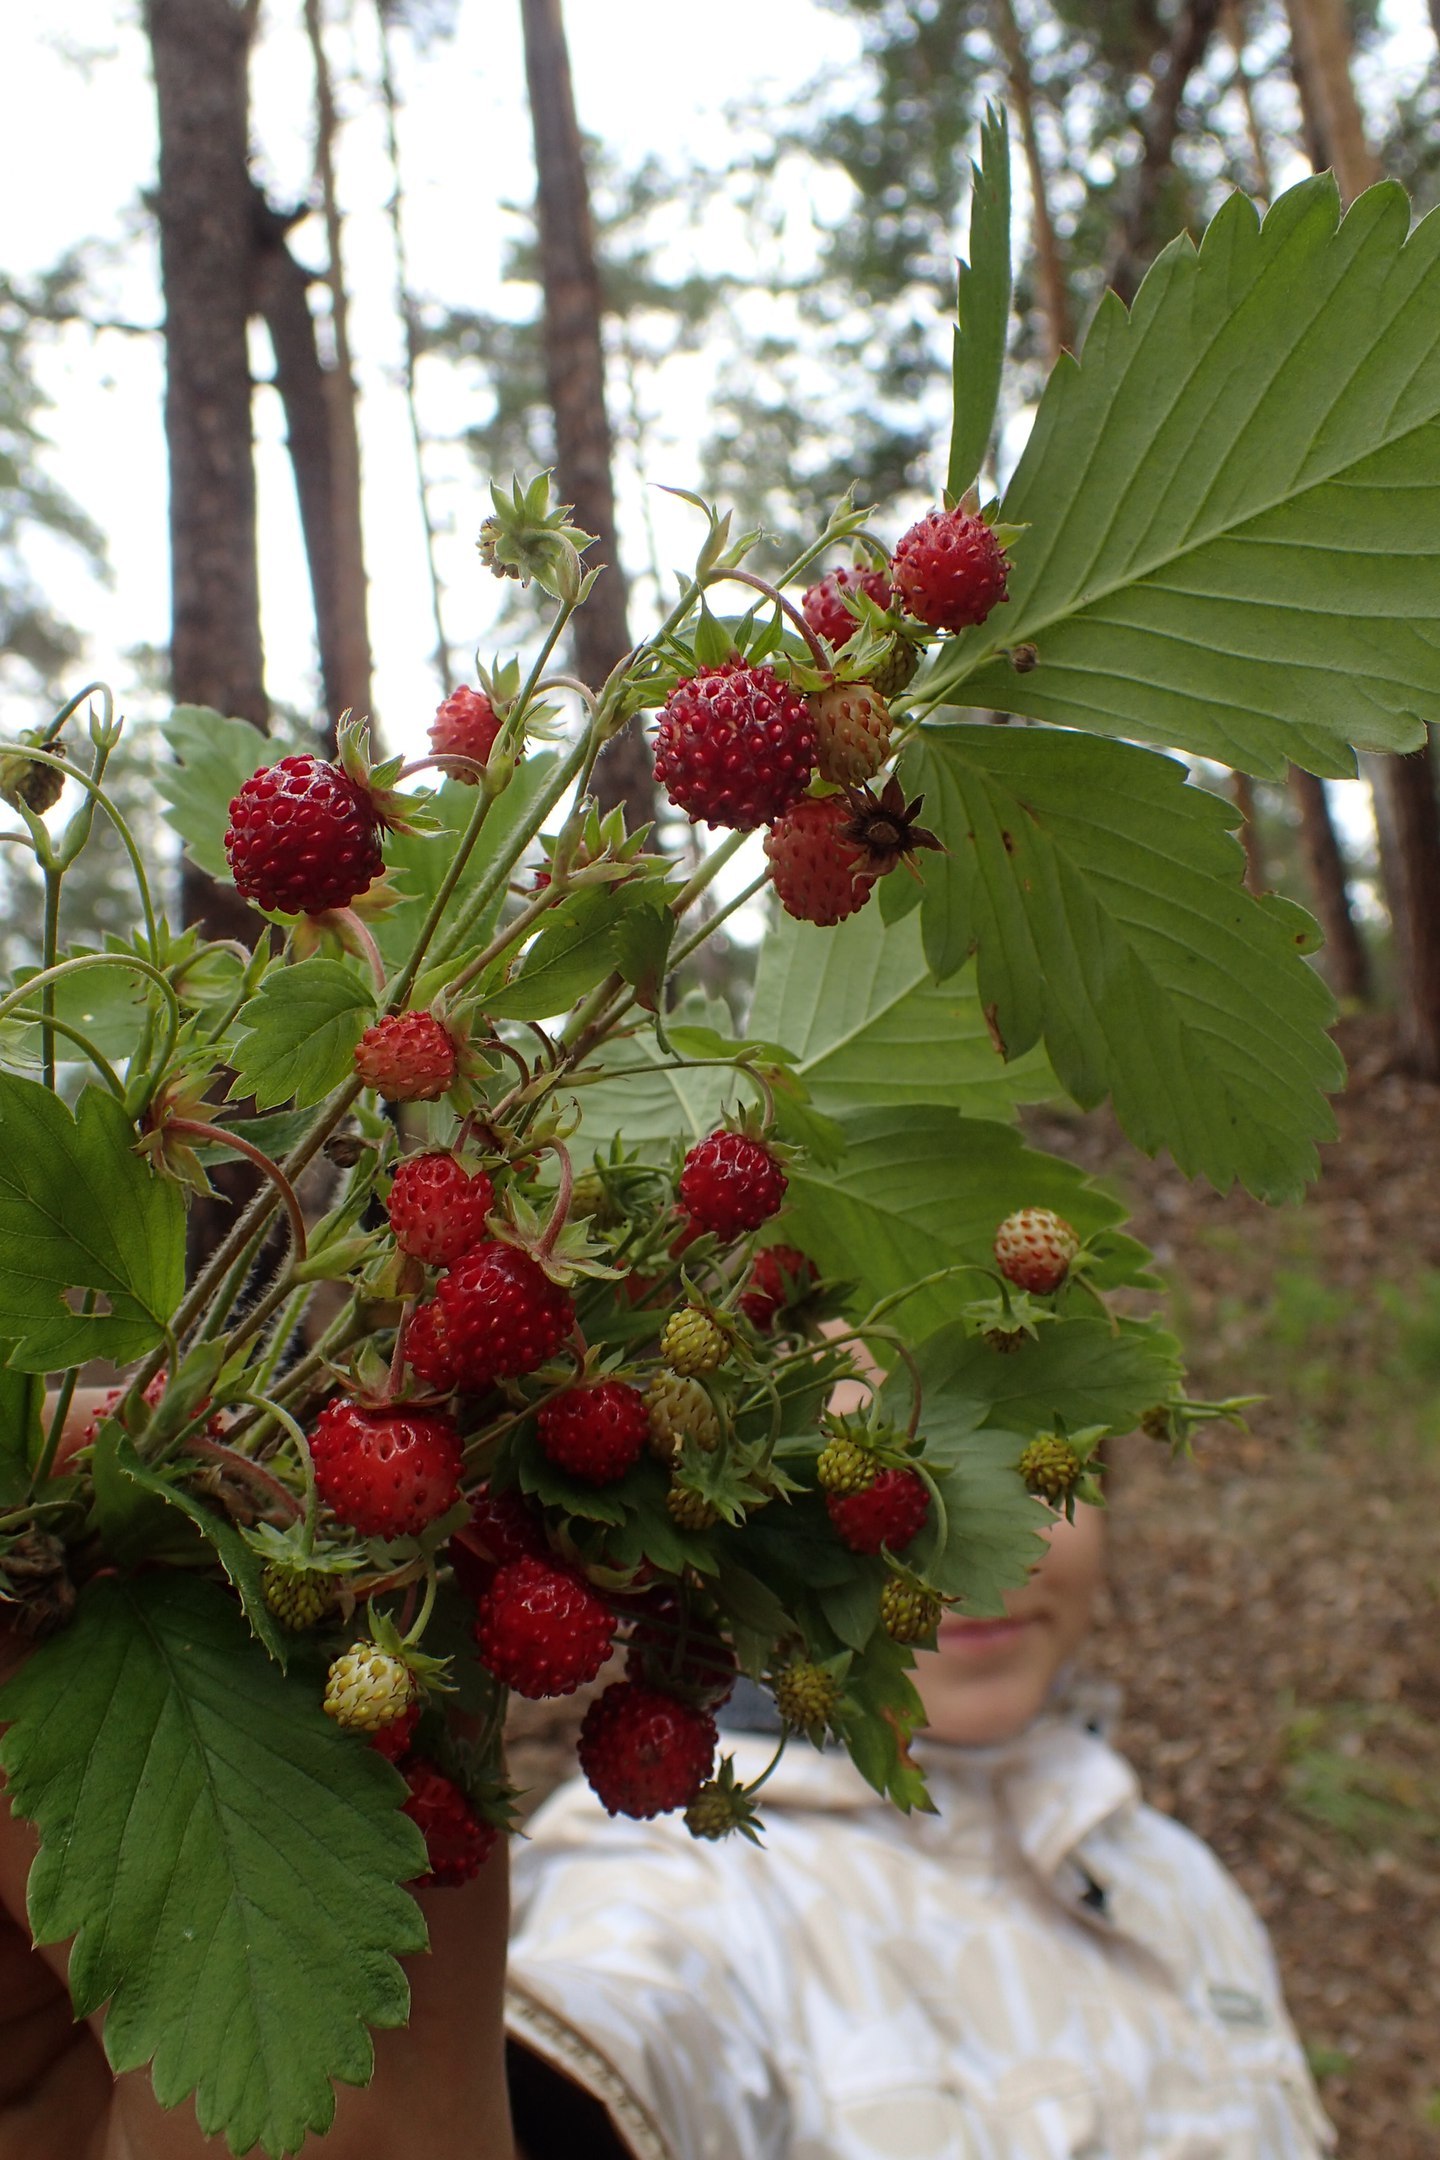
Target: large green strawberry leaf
x=983 y=305
x=227 y=1861
x=418 y=862
x=1232 y=500
x=81 y=1211
x=869 y=1024
x=917 y=1190
x=649 y=1097
x=1104 y=895
x=295 y=1039
x=214 y=757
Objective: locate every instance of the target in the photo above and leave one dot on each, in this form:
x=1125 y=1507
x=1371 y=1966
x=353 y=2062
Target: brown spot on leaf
x=996 y=1037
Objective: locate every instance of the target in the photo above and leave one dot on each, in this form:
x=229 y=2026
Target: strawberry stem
x=197 y=1129
x=354 y=934
x=242 y=1466
x=760 y=584
x=561 y=1209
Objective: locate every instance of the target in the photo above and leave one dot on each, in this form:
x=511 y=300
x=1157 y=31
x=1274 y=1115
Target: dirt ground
x=1273 y=1618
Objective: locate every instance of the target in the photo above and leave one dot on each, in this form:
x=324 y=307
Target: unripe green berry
x=298 y=1597
x=693 y=1343
x=367 y=1688
x=908 y=1612
x=1051 y=1468
x=689 y=1509
x=679 y=1410
x=805 y=1695
x=843 y=1466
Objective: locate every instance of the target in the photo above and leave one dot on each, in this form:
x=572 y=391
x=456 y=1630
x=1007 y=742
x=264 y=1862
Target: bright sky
x=79 y=148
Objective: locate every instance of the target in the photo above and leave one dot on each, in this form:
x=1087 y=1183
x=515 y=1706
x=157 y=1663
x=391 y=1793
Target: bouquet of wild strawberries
x=523 y=1352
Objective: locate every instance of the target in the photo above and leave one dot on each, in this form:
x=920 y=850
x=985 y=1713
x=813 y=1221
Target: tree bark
x=1050 y=265
x=349 y=616
x=203 y=206
x=575 y=377
x=1346 y=961
x=1193 y=30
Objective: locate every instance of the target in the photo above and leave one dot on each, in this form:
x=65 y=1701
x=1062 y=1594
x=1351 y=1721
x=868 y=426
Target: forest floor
x=1272 y=1622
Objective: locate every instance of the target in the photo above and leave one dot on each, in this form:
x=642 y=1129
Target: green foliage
x=226 y=1860
x=1078 y=1367
x=983 y=306
x=1231 y=500
x=928 y=1190
x=418 y=862
x=212 y=759
x=22 y=1399
x=869 y=1025
x=79 y=1210
x=296 y=1037
x=578 y=947
x=242 y=1566
x=1104 y=897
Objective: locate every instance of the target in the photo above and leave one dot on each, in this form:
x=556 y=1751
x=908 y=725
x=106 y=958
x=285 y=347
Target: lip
x=980 y=1635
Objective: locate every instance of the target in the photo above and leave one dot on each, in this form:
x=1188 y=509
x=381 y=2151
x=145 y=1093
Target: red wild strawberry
x=502 y=1315
x=820 y=873
x=303 y=837
x=735 y=745
x=385 y=1472
x=437 y=1209
x=393 y=1741
x=408 y=1057
x=458 y=1842
x=465 y=725
x=644 y=1752
x=425 y=1350
x=888 y=1512
x=731 y=1184
x=950 y=570
x=1034 y=1249
x=824 y=604
x=503 y=1526
x=111 y=1400
x=541 y=1629
x=596 y=1433
x=680 y=1653
x=852 y=732
x=781 y=1276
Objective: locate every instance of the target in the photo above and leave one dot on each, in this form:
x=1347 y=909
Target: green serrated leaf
x=983 y=305
x=214 y=757
x=994 y=1528
x=920 y=1189
x=1076 y=1366
x=296 y=1037
x=227 y=1861
x=575 y=950
x=869 y=1025
x=880 y=1711
x=642 y=948
x=650 y=1099
x=22 y=1401
x=1104 y=894
x=1232 y=499
x=80 y=1210
x=243 y=1566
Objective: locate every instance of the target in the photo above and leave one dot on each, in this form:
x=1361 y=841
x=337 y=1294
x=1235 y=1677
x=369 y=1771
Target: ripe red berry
x=781 y=1276
x=735 y=745
x=386 y=1473
x=950 y=570
x=1034 y=1248
x=393 y=1740
x=437 y=1209
x=820 y=874
x=731 y=1184
x=502 y=1315
x=408 y=1057
x=425 y=1350
x=458 y=1842
x=889 y=1512
x=465 y=725
x=596 y=1433
x=644 y=1752
x=303 y=837
x=503 y=1526
x=824 y=604
x=541 y=1628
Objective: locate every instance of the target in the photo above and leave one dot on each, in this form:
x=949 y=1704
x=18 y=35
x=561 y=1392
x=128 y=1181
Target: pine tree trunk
x=1189 y=39
x=575 y=376
x=203 y=205
x=1347 y=964
x=1054 y=292
x=1407 y=808
x=349 y=616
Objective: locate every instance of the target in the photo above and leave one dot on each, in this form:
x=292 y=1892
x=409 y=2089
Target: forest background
x=382 y=252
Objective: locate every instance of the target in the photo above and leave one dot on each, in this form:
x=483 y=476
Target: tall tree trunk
x=199 y=50
x=1189 y=39
x=575 y=376
x=1054 y=292
x=1233 y=17
x=282 y=298
x=1346 y=961
x=350 y=629
x=1407 y=808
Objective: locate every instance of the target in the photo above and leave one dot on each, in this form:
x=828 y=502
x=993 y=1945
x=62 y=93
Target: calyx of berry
x=529 y=537
x=885 y=826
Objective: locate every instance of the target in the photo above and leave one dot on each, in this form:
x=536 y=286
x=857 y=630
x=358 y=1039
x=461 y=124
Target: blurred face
x=986 y=1679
